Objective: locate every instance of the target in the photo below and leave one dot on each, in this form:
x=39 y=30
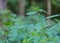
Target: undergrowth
x=30 y=29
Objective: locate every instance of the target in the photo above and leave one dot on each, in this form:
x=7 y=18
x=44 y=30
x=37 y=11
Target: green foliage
x=34 y=5
x=32 y=29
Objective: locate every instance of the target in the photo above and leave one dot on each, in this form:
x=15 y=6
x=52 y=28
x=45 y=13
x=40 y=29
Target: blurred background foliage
x=33 y=28
x=35 y=4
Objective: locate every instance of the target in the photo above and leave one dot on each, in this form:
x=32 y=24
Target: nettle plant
x=31 y=29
